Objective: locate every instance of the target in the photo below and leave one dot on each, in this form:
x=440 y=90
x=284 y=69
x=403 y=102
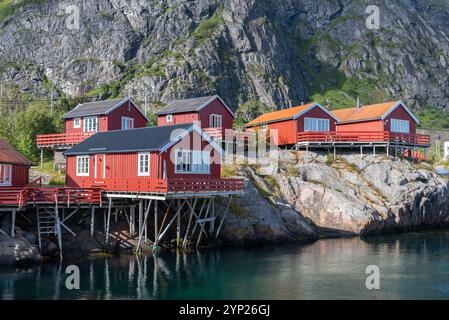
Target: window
x=90 y=124
x=402 y=126
x=127 y=123
x=215 y=121
x=82 y=166
x=77 y=123
x=169 y=118
x=192 y=161
x=316 y=124
x=143 y=164
x=5 y=175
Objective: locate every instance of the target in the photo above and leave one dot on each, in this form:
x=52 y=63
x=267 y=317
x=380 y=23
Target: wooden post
x=156 y=224
x=361 y=151
x=211 y=225
x=92 y=221
x=13 y=223
x=192 y=207
x=374 y=150
x=178 y=228
x=108 y=223
x=388 y=151
x=140 y=216
x=132 y=218
x=335 y=153
x=42 y=159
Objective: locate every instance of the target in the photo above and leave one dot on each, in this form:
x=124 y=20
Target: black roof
x=186 y=105
x=132 y=140
x=94 y=108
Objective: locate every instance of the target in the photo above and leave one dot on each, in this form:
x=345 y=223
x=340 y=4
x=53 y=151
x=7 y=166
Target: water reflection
x=412 y=266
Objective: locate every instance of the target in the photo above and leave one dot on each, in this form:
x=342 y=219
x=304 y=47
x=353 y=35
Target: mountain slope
x=276 y=53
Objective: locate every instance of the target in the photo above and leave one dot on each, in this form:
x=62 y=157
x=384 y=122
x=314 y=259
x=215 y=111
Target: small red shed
x=14 y=167
x=391 y=117
x=292 y=121
x=210 y=113
x=141 y=159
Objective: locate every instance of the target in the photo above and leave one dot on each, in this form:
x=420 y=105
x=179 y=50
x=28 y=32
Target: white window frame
x=79 y=166
x=6 y=181
x=399 y=126
x=199 y=161
x=76 y=123
x=316 y=124
x=141 y=169
x=169 y=118
x=215 y=120
x=127 y=123
x=90 y=124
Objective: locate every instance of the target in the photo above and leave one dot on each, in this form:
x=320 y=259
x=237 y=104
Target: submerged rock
x=17 y=251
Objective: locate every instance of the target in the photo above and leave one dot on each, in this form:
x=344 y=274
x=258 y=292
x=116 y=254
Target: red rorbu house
x=179 y=158
x=14 y=167
x=388 y=122
x=210 y=113
x=289 y=123
x=91 y=117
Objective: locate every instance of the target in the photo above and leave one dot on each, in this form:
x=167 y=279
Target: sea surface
x=411 y=266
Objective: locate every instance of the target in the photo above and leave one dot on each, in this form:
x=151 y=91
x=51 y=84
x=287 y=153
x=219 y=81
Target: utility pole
x=51 y=102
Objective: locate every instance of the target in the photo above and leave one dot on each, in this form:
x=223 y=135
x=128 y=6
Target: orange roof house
x=289 y=122
x=392 y=116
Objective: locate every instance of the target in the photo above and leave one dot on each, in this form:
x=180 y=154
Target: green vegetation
x=8 y=7
x=250 y=110
x=431 y=117
x=208 y=27
x=23 y=116
x=330 y=159
x=57 y=177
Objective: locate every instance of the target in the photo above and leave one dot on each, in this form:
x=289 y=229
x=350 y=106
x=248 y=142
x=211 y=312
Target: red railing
x=61 y=139
x=13 y=196
x=216 y=133
x=167 y=186
x=66 y=196
x=364 y=136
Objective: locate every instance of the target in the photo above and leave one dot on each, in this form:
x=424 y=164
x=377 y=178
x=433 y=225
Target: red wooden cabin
x=210 y=113
x=311 y=117
x=383 y=122
x=14 y=167
x=91 y=117
x=162 y=159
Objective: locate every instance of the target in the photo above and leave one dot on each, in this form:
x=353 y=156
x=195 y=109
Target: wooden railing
x=167 y=186
x=61 y=139
x=364 y=136
x=216 y=133
x=13 y=196
x=66 y=196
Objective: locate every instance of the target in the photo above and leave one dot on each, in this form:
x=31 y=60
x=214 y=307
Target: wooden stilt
x=203 y=223
x=223 y=218
x=142 y=230
x=140 y=217
x=108 y=222
x=361 y=151
x=132 y=218
x=156 y=224
x=92 y=221
x=38 y=229
x=335 y=153
x=178 y=229
x=374 y=150
x=13 y=223
x=42 y=159
x=178 y=212
x=192 y=211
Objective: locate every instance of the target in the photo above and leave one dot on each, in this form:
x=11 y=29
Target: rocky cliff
x=348 y=195
x=273 y=52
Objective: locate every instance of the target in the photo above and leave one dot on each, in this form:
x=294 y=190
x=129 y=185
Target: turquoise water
x=412 y=266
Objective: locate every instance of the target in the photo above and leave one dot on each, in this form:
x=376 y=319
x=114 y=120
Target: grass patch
x=236 y=209
x=57 y=178
x=330 y=159
x=8 y=7
x=272 y=182
x=228 y=171
x=208 y=27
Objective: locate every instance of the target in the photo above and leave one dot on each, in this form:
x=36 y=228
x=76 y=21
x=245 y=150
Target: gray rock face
x=368 y=195
x=17 y=251
x=278 y=52
x=255 y=219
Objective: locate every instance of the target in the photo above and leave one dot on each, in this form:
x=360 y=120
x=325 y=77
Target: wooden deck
x=20 y=197
x=61 y=140
x=362 y=137
x=164 y=186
